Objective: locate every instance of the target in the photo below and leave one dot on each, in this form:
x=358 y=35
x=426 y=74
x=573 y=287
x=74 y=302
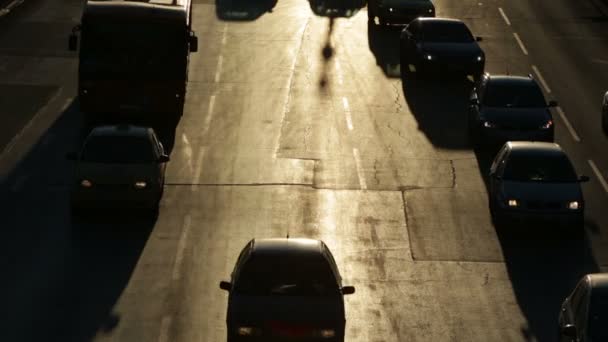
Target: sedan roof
x=121 y=130
x=535 y=147
x=287 y=247
x=439 y=20
x=598 y=280
x=511 y=79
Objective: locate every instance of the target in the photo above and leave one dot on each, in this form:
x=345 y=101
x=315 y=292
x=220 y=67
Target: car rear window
x=118 y=149
x=272 y=275
x=510 y=94
x=446 y=32
x=536 y=167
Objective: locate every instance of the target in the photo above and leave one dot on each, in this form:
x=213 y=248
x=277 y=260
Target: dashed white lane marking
x=349 y=119
x=598 y=174
x=224 y=34
x=181 y=247
x=218 y=70
x=541 y=79
x=504 y=16
x=209 y=115
x=360 y=174
x=561 y=113
x=521 y=44
x=339 y=72
x=198 y=168
x=165 y=325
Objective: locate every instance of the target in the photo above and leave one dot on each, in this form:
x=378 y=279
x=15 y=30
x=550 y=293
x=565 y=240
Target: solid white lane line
x=561 y=113
x=218 y=69
x=598 y=174
x=521 y=44
x=181 y=247
x=541 y=79
x=504 y=16
x=360 y=174
x=349 y=119
x=209 y=115
x=165 y=324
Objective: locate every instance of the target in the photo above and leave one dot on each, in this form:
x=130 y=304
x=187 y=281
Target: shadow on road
x=242 y=10
x=440 y=107
x=543 y=262
x=61 y=279
x=384 y=44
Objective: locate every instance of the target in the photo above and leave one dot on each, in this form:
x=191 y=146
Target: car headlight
x=428 y=57
x=488 y=124
x=480 y=58
x=574 y=205
x=246 y=331
x=513 y=203
x=326 y=333
x=390 y=9
x=547 y=125
x=85 y=183
x=140 y=185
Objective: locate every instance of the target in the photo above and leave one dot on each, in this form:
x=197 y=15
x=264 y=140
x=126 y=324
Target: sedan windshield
x=540 y=168
x=448 y=32
x=598 y=315
x=265 y=275
x=118 y=149
x=508 y=94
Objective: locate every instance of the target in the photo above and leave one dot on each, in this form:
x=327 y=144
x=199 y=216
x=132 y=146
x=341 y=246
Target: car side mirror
x=552 y=103
x=346 y=290
x=73 y=42
x=569 y=330
x=163 y=158
x=583 y=179
x=71 y=156
x=193 y=42
x=225 y=285
x=478 y=39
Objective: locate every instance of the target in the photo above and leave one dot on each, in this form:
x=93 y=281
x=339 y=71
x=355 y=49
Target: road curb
x=12 y=4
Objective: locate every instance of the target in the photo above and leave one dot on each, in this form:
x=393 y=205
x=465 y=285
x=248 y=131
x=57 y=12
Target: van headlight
x=574 y=205
x=513 y=203
x=140 y=185
x=85 y=183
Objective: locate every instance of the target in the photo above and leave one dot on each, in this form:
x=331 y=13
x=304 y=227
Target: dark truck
x=398 y=12
x=133 y=57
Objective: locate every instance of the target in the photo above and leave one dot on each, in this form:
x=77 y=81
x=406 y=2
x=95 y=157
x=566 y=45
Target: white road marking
x=224 y=34
x=218 y=70
x=349 y=119
x=165 y=325
x=561 y=113
x=504 y=16
x=198 y=167
x=339 y=72
x=181 y=247
x=541 y=79
x=521 y=44
x=360 y=174
x=209 y=115
x=598 y=174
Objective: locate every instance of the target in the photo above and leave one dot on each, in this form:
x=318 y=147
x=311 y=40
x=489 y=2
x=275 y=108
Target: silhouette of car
x=399 y=12
x=441 y=46
x=535 y=180
x=119 y=166
x=584 y=315
x=605 y=113
x=509 y=108
x=285 y=289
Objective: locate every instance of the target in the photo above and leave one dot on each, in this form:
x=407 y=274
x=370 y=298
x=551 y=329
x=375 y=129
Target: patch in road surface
x=18 y=104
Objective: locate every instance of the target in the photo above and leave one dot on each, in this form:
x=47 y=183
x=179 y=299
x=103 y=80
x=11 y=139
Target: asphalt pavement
x=296 y=124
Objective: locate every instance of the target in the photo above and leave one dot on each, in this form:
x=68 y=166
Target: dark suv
x=285 y=290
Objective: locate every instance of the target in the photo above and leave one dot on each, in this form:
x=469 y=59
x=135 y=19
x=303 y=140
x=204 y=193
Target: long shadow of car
x=336 y=8
x=242 y=10
x=384 y=44
x=440 y=106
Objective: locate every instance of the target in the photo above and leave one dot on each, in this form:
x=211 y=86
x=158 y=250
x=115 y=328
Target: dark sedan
x=535 y=181
x=584 y=314
x=399 y=12
x=441 y=46
x=509 y=108
x=285 y=290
